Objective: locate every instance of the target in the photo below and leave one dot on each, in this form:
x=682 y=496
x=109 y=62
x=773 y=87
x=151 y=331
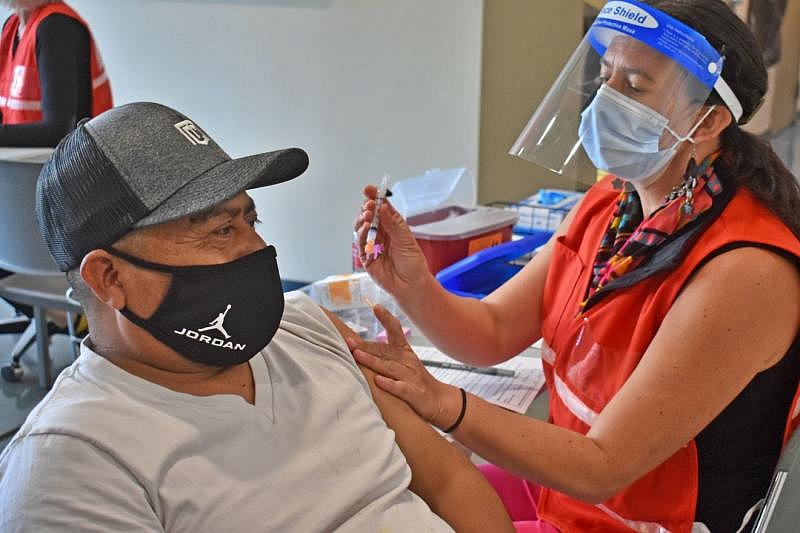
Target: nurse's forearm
x=546 y=454
x=465 y=328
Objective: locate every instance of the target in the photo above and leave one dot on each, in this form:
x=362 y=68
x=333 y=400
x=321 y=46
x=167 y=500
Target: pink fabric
x=520 y=498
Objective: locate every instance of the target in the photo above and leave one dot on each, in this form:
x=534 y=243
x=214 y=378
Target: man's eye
x=254 y=221
x=223 y=231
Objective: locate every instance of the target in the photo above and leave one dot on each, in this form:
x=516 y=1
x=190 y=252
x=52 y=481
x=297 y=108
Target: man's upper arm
x=425 y=450
x=55 y=482
x=440 y=474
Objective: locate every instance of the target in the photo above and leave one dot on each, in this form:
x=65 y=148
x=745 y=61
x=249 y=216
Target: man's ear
x=99 y=270
x=713 y=125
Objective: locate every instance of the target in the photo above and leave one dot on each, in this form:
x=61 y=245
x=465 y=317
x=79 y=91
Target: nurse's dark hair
x=751 y=160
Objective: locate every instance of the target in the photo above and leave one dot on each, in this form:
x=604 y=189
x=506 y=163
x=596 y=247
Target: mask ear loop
x=693 y=170
x=688 y=136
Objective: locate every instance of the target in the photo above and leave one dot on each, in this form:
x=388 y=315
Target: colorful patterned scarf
x=630 y=240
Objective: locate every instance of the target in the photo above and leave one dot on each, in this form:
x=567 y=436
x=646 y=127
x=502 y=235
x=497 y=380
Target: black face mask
x=217 y=315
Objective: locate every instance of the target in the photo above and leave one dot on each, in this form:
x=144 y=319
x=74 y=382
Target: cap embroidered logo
x=194 y=134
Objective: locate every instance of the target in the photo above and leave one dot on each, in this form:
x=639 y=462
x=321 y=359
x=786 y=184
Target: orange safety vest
x=20 y=90
x=588 y=357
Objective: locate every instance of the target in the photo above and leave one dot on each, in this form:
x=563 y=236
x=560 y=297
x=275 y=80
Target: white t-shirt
x=108 y=451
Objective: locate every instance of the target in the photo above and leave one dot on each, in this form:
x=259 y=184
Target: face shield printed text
x=629 y=13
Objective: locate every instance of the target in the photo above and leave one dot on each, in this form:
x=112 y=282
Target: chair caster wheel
x=11 y=373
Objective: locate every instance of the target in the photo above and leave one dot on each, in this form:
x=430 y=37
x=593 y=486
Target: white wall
x=365 y=86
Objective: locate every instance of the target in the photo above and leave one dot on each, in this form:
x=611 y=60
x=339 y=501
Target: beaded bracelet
x=461 y=414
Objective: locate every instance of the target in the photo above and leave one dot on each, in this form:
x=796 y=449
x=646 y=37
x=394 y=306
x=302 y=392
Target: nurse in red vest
x=668 y=302
x=51 y=74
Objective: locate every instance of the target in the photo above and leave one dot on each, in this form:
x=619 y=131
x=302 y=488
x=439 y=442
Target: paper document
x=515 y=393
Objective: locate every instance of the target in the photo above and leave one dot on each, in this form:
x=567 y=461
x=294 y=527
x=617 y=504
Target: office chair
x=36 y=280
x=781 y=512
x=15 y=324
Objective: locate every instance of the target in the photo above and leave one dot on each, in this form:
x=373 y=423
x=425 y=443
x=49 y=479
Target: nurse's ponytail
x=750 y=159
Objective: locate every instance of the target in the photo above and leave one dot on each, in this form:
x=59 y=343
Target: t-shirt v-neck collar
x=105 y=370
x=263 y=400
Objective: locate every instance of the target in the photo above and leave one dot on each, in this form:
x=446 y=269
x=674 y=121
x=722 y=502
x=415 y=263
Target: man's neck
x=162 y=366
x=23 y=15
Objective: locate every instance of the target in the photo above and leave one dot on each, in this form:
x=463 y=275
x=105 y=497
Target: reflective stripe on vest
x=639 y=527
x=582 y=412
x=20 y=105
x=99 y=80
x=548 y=355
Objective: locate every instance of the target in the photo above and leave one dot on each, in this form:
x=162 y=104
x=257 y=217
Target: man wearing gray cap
x=202 y=399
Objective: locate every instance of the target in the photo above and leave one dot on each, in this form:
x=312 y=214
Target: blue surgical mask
x=622 y=136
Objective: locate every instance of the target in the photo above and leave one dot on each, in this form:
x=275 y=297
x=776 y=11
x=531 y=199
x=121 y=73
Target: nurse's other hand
x=401 y=267
x=401 y=373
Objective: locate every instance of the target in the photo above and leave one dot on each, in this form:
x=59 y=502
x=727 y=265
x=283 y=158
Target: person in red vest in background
x=51 y=77
x=51 y=74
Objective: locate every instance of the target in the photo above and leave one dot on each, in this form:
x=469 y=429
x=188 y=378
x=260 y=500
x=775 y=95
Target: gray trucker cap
x=138 y=165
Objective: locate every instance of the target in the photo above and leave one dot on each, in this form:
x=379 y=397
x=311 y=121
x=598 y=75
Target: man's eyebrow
x=217 y=210
x=251 y=206
x=609 y=65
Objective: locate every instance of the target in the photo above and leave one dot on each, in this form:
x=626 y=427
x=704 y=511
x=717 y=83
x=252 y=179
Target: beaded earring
x=686 y=187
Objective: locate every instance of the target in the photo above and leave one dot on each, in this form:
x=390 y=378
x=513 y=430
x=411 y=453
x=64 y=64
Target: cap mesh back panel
x=82 y=202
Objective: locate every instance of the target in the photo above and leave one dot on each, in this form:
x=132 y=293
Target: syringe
x=371 y=248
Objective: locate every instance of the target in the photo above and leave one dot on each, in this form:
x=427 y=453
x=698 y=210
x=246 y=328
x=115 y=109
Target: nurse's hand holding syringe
x=399 y=267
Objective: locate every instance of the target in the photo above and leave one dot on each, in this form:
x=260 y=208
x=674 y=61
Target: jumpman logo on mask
x=217 y=323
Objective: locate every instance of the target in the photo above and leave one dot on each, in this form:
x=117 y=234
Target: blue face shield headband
x=668 y=36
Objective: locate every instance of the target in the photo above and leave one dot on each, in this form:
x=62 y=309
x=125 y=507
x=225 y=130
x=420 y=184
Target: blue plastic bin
x=479 y=274
x=543 y=211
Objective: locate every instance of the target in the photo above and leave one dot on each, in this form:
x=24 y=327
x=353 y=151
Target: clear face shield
x=630 y=95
